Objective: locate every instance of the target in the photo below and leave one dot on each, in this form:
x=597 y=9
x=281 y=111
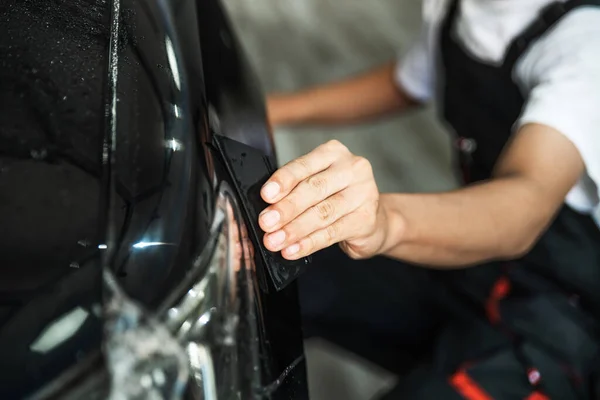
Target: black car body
x=126 y=266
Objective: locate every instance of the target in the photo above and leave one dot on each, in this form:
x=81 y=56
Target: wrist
x=393 y=224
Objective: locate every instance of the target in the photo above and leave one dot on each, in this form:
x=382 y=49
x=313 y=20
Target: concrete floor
x=296 y=43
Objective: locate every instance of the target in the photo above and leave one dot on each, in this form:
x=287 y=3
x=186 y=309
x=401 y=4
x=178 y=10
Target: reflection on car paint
x=120 y=180
x=145 y=361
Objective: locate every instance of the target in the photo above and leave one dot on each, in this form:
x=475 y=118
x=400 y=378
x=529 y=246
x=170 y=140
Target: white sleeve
x=560 y=76
x=415 y=70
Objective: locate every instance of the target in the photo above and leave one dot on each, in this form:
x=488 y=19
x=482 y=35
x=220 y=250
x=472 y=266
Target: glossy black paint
x=132 y=187
x=250 y=169
x=52 y=63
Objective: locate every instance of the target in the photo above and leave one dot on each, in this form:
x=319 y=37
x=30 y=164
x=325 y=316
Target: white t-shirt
x=559 y=74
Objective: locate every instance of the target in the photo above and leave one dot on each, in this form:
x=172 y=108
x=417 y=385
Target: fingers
x=326 y=197
x=320 y=239
x=317 y=217
x=285 y=179
x=309 y=192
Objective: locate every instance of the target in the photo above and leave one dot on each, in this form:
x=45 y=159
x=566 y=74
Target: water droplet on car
x=97 y=310
x=39 y=154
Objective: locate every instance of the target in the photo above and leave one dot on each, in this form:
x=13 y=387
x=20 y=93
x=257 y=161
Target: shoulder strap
x=448 y=21
x=546 y=20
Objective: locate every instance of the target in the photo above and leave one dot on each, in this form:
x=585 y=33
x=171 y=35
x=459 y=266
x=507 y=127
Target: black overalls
x=520 y=330
x=543 y=309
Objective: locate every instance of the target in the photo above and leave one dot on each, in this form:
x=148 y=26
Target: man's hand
x=325 y=197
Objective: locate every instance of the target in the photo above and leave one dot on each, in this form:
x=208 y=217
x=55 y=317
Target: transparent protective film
x=184 y=314
x=147 y=171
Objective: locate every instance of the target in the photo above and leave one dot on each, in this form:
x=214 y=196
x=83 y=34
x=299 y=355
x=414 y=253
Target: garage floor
x=296 y=43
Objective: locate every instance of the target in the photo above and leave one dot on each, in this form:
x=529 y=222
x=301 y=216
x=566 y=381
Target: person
x=502 y=274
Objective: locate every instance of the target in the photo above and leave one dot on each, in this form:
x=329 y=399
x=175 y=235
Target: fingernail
x=270 y=190
x=293 y=249
x=270 y=218
x=277 y=238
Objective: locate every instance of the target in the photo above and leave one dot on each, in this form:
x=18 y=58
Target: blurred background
x=297 y=43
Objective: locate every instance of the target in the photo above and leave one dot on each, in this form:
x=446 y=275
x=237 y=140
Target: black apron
x=551 y=296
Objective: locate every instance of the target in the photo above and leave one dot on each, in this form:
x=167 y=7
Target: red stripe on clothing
x=467 y=387
x=537 y=396
x=499 y=291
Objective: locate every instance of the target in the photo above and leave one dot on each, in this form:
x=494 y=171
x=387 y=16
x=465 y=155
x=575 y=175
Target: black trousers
x=404 y=319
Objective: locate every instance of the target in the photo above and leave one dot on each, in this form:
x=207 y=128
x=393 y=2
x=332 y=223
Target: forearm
x=500 y=219
x=358 y=99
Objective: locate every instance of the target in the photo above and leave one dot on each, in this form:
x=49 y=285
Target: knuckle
x=325 y=211
x=331 y=233
x=345 y=177
x=335 y=144
x=317 y=184
x=310 y=244
x=362 y=163
x=292 y=233
x=302 y=164
x=291 y=173
x=288 y=208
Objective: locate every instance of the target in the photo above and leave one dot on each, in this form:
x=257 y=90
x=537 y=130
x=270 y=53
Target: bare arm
x=359 y=99
x=498 y=219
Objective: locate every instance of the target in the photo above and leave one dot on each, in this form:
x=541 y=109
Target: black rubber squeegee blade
x=249 y=169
